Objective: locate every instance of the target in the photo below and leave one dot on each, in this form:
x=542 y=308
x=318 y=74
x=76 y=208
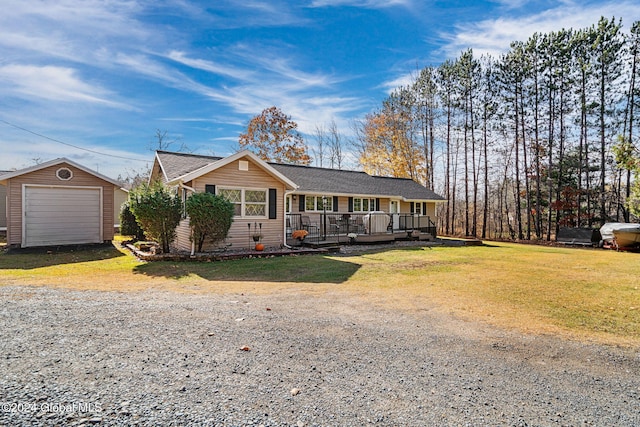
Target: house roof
x=308 y=179
x=13 y=174
x=353 y=183
x=175 y=165
x=210 y=163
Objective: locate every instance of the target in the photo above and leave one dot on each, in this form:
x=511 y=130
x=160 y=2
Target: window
x=255 y=202
x=363 y=205
x=64 y=174
x=184 y=196
x=314 y=203
x=418 y=209
x=247 y=203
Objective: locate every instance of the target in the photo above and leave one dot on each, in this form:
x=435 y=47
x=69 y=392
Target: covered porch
x=339 y=228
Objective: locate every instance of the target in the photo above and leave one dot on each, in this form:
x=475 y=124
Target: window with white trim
x=183 y=196
x=417 y=208
x=363 y=204
x=247 y=202
x=64 y=174
x=314 y=203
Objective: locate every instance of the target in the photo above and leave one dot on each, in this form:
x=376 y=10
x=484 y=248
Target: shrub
x=158 y=211
x=128 y=224
x=210 y=218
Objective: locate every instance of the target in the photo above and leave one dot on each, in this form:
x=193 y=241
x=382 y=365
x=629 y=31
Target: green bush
x=128 y=224
x=158 y=211
x=210 y=218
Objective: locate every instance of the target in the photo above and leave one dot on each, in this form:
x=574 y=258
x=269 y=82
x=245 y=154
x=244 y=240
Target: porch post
x=324 y=217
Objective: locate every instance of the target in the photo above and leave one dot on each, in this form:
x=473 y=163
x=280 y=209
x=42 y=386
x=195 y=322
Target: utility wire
x=71 y=145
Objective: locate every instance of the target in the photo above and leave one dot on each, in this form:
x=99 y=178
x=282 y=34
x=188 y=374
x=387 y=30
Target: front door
x=394 y=210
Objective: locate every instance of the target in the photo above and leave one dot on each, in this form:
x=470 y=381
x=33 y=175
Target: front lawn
x=585 y=294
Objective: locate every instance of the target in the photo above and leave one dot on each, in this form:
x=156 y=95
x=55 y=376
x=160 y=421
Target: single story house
x=278 y=199
x=58 y=203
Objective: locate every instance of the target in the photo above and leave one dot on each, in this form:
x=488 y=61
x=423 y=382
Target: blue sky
x=104 y=75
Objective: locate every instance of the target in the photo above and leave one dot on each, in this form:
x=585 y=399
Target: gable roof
x=216 y=163
x=13 y=174
x=307 y=179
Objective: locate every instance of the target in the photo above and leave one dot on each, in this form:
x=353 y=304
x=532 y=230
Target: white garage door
x=61 y=216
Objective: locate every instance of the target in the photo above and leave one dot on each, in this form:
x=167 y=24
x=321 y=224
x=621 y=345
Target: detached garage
x=58 y=203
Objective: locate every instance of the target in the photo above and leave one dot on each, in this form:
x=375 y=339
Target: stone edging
x=222 y=256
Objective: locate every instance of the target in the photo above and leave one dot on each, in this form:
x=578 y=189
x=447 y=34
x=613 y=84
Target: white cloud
x=210 y=66
x=493 y=36
x=49 y=48
x=261 y=76
x=54 y=83
x=367 y=4
x=512 y=4
x=69 y=29
x=402 y=80
x=226 y=14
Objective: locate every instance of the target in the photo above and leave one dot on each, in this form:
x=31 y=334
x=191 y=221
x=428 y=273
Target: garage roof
x=5 y=177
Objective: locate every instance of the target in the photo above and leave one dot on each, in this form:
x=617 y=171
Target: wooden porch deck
x=319 y=241
x=330 y=229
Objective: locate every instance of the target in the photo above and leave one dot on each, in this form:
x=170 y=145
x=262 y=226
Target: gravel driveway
x=325 y=359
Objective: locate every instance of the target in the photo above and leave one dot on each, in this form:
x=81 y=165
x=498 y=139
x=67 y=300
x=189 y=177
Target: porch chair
x=358 y=224
x=334 y=227
x=306 y=224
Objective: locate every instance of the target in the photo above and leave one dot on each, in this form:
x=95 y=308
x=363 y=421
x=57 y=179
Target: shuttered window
x=363 y=204
x=247 y=202
x=314 y=204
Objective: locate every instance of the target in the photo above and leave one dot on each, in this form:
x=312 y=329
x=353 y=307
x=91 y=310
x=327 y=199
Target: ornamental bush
x=128 y=224
x=210 y=218
x=158 y=210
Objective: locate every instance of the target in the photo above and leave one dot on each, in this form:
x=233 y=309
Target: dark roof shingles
x=336 y=181
x=312 y=179
x=177 y=164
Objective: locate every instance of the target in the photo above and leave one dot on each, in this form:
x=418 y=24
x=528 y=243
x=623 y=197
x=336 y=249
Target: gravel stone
x=153 y=358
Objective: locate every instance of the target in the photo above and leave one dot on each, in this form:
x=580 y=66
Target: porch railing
x=322 y=226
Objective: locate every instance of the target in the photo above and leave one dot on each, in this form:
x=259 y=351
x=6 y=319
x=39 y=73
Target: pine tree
x=607 y=49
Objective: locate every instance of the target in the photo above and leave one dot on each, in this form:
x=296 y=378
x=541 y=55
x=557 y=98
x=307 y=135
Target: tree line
x=542 y=137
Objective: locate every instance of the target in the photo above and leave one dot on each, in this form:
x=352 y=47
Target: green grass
x=584 y=294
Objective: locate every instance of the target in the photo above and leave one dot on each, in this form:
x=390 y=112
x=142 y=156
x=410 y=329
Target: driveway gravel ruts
x=314 y=359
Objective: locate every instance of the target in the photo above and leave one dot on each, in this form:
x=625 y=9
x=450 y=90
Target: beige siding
x=183 y=234
x=384 y=204
x=431 y=210
x=3 y=206
x=255 y=178
x=119 y=197
x=47 y=176
x=156 y=173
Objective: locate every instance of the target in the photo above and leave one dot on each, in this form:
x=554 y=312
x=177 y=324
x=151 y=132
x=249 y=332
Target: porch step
x=329 y=246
